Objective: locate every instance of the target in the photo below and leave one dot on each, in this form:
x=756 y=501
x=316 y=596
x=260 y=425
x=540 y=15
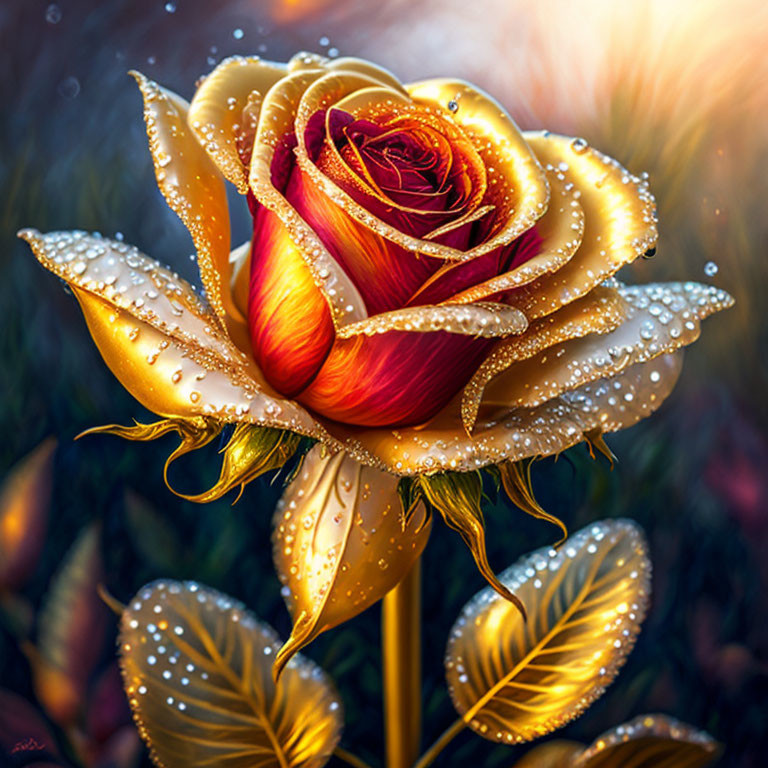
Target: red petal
x=458 y=277
x=289 y=320
x=385 y=273
x=394 y=378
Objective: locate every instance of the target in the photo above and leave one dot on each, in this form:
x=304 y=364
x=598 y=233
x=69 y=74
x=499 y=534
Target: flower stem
x=401 y=662
x=445 y=738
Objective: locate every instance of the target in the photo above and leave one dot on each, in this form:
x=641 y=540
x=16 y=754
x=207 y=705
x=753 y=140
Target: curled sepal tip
x=516 y=479
x=339 y=543
x=512 y=682
x=250 y=452
x=196 y=669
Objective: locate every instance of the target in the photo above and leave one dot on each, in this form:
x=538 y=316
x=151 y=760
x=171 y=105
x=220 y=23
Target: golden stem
x=446 y=737
x=401 y=661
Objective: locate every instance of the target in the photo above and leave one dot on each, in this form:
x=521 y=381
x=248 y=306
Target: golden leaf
x=514 y=681
x=649 y=741
x=24 y=500
x=340 y=543
x=457 y=496
x=197 y=670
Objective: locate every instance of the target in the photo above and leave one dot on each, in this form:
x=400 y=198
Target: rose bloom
x=427 y=291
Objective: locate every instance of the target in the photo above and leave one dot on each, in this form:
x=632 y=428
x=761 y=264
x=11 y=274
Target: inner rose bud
x=417 y=172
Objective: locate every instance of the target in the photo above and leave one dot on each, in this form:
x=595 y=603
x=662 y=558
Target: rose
x=426 y=289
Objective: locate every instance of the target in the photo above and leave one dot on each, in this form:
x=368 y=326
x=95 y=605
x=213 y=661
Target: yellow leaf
x=513 y=681
x=197 y=668
x=24 y=499
x=340 y=543
x=649 y=741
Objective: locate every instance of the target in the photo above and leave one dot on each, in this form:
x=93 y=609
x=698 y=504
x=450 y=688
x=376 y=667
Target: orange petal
x=620 y=222
x=216 y=111
x=193 y=188
x=340 y=542
x=290 y=323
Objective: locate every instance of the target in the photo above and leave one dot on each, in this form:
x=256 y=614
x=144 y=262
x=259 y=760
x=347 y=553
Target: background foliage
x=73 y=155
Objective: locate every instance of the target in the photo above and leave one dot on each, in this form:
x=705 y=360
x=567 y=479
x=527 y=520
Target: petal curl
x=620 y=222
x=602 y=310
x=159 y=338
x=521 y=190
x=216 y=111
x=559 y=232
x=340 y=543
x=661 y=318
x=278 y=115
x=193 y=188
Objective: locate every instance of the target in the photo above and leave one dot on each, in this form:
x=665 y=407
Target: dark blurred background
x=675 y=89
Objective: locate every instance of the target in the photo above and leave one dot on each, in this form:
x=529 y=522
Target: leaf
x=24 y=500
x=340 y=543
x=513 y=681
x=650 y=741
x=71 y=631
x=554 y=754
x=197 y=668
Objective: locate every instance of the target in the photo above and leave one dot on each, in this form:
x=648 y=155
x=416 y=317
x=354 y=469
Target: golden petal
x=159 y=338
x=216 y=110
x=649 y=741
x=278 y=116
x=127 y=279
x=197 y=670
x=554 y=754
x=193 y=188
x=513 y=681
x=661 y=317
x=306 y=60
x=607 y=405
x=600 y=311
x=502 y=147
x=483 y=319
x=620 y=222
x=561 y=229
x=366 y=68
x=340 y=543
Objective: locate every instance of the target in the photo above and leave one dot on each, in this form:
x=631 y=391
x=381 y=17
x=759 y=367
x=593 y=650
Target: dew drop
x=453 y=105
x=324 y=41
x=710 y=269
x=579 y=146
x=238 y=34
x=170 y=7
x=69 y=87
x=53 y=14
x=333 y=52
